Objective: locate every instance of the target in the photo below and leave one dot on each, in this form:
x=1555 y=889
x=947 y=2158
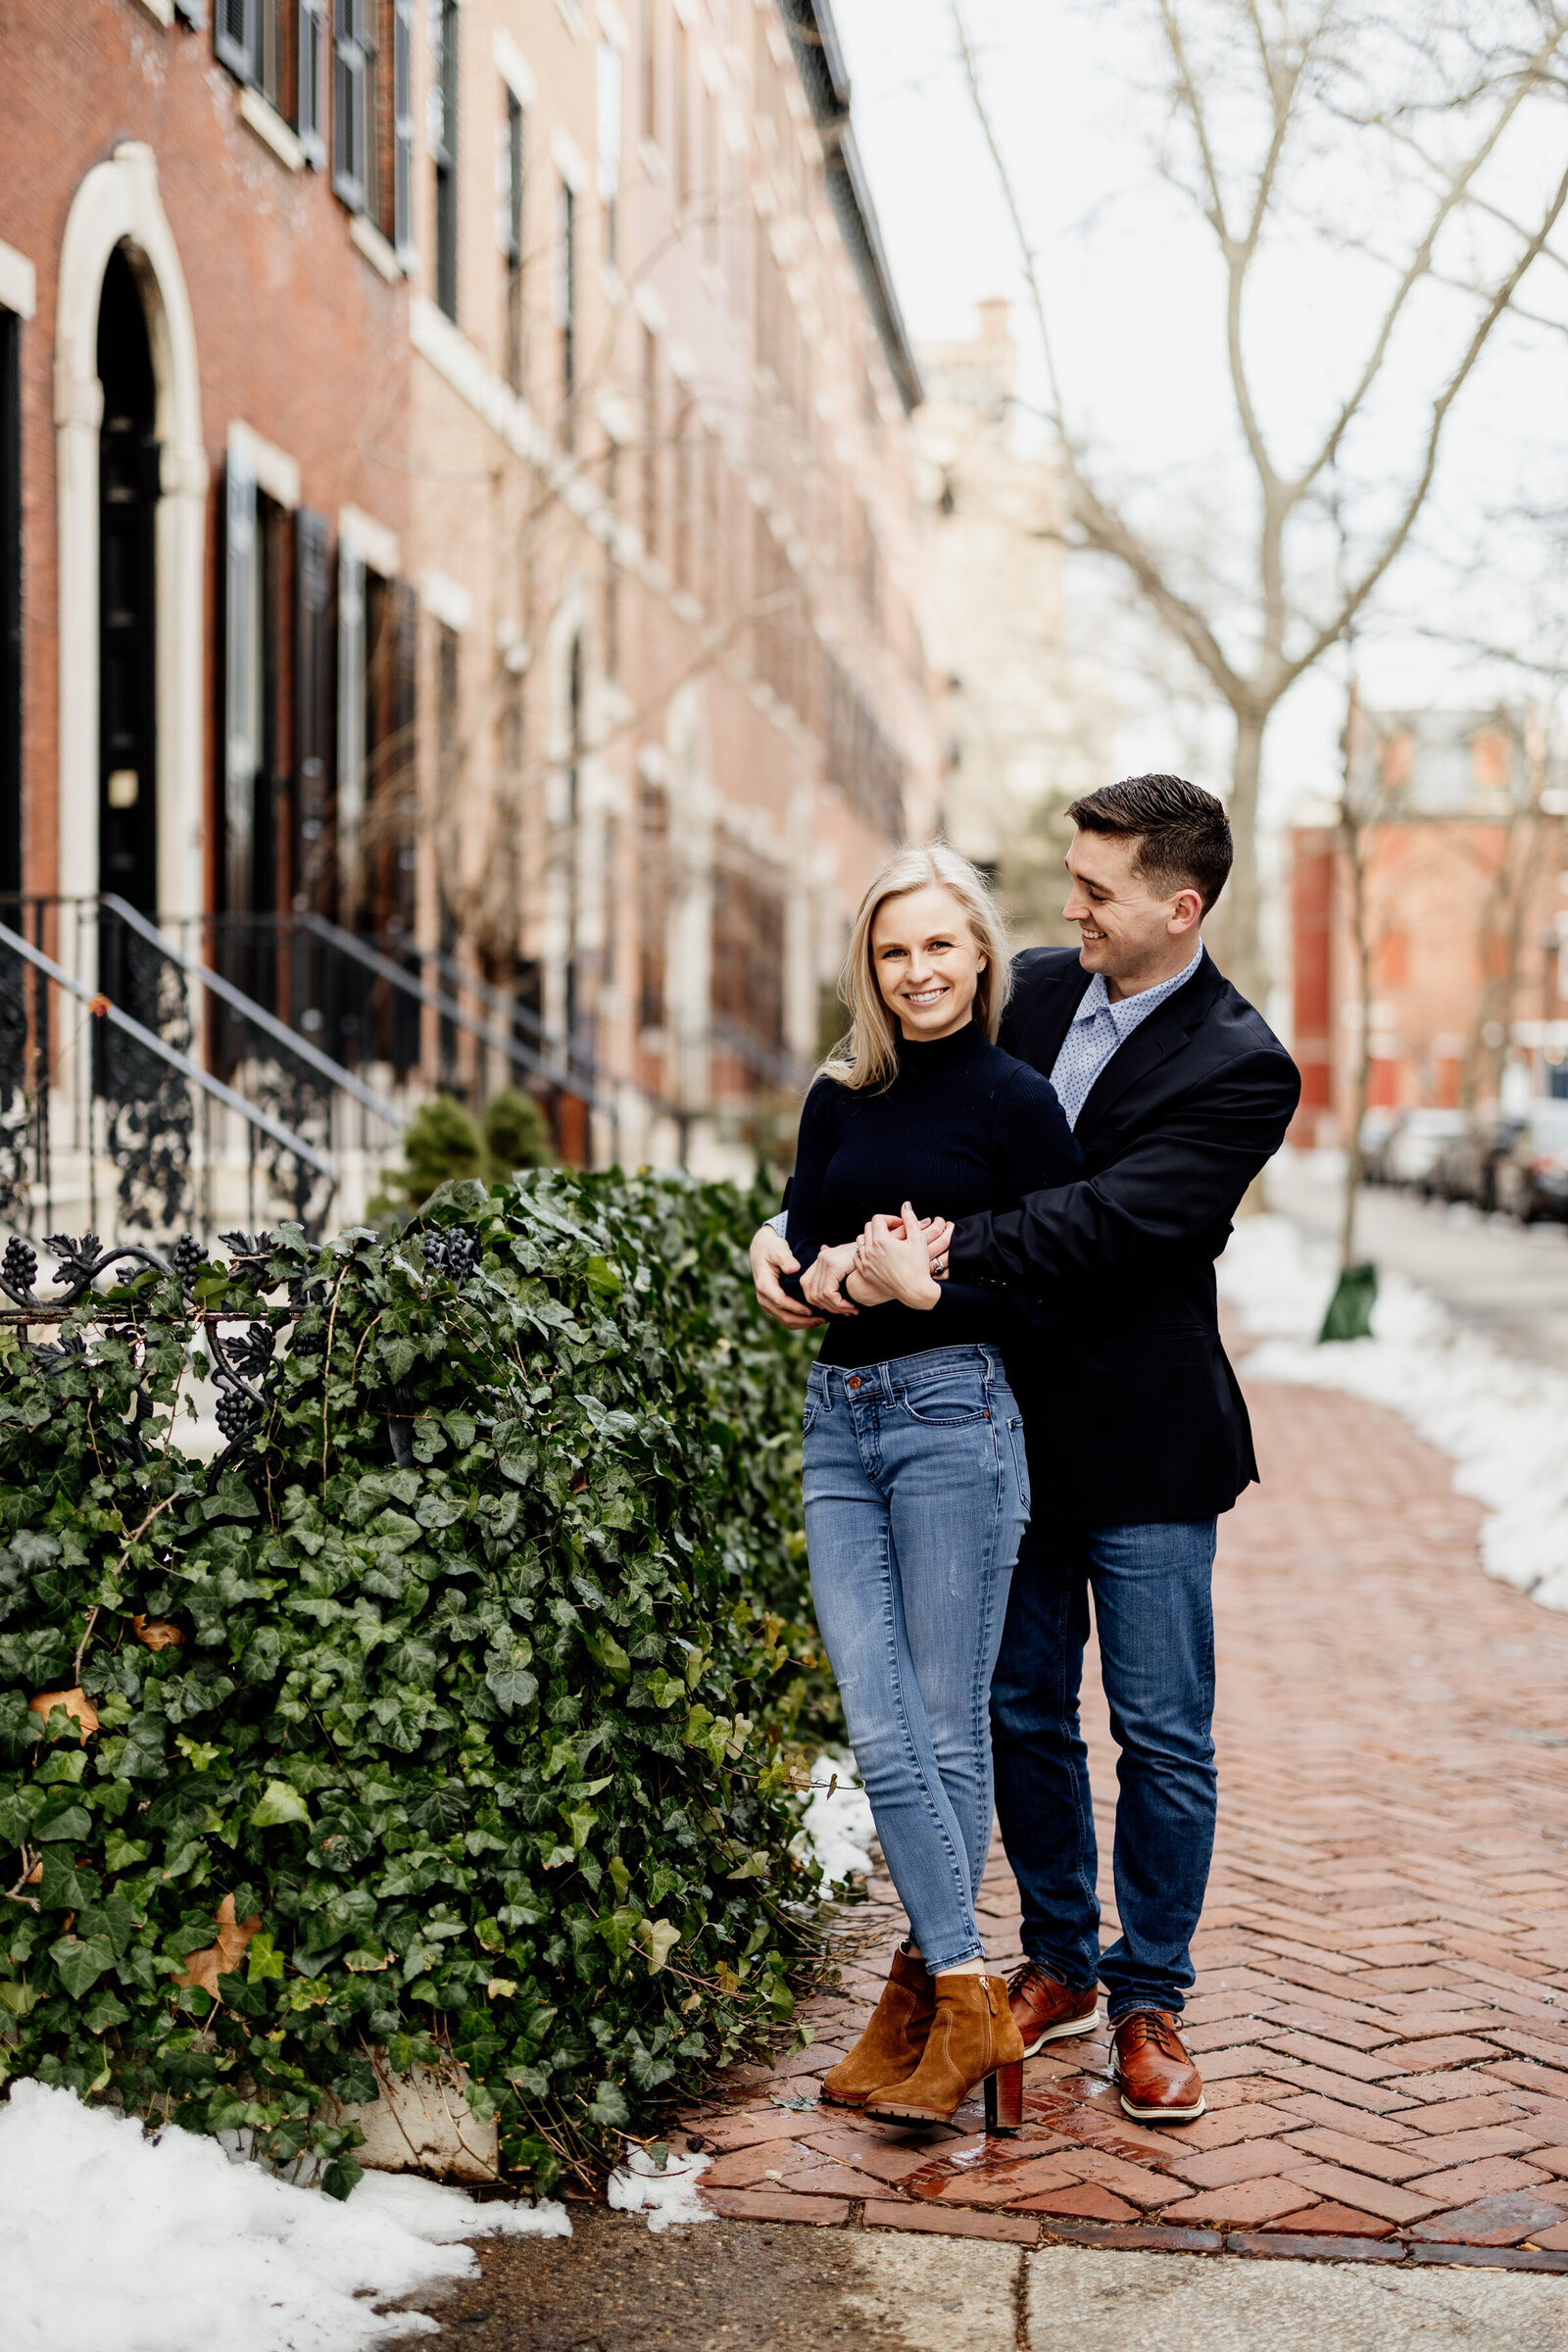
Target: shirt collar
x=1128 y=1011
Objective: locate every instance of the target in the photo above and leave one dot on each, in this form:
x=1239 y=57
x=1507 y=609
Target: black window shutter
x=235 y=36
x=444 y=19
x=315 y=707
x=311 y=126
x=403 y=130
x=348 y=102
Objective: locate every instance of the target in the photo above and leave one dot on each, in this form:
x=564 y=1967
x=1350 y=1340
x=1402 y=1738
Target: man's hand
x=771 y=1256
x=822 y=1281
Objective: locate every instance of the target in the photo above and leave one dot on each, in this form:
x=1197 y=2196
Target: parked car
x=1416 y=1143
x=1532 y=1175
x=1378 y=1130
x=1467 y=1169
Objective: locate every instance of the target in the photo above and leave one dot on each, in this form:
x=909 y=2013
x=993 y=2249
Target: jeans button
x=855 y=1383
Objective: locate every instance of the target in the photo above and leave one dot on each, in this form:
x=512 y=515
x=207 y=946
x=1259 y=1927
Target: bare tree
x=1261 y=98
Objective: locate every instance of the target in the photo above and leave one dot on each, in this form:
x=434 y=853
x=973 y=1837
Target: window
x=610 y=77
x=444 y=148
x=10 y=604
x=508 y=229
x=353 y=176
x=653 y=926
x=565 y=300
x=748 y=958
x=248 y=37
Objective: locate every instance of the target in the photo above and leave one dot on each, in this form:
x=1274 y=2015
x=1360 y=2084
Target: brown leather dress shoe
x=1044 y=2009
x=972 y=2040
x=894 y=2039
x=1159 y=2083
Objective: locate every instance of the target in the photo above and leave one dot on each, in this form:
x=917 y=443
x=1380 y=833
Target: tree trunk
x=1238 y=932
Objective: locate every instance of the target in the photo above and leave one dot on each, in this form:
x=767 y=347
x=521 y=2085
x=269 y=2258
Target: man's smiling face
x=1134 y=936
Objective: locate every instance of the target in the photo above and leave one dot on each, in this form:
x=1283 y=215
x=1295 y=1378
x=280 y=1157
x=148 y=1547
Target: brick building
x=455 y=544
x=1467 y=863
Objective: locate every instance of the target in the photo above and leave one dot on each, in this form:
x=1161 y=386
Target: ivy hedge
x=452 y=1711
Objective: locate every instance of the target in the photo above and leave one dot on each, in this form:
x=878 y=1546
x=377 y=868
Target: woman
x=917 y=1486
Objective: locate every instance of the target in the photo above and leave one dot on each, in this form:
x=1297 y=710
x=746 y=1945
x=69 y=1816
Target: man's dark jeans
x=1154 y=1618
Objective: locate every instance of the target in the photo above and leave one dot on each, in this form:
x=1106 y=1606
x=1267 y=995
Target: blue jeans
x=916 y=1494
x=1155 y=1617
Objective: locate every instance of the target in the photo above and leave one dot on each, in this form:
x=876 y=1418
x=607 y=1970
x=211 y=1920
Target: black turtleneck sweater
x=962 y=1128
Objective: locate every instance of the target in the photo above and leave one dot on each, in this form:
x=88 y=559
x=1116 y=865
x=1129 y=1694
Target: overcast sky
x=1137 y=300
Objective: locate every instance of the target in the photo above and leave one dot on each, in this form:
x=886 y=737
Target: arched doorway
x=127 y=592
x=127 y=404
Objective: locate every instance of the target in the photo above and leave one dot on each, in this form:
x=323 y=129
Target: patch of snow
x=667 y=2193
x=836 y=1828
x=115 y=2241
x=1501 y=1419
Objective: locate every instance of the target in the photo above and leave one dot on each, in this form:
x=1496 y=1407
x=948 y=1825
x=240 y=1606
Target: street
x=1508 y=1282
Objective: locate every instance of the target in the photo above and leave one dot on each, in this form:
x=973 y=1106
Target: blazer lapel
x=1042 y=1032
x=1168 y=1031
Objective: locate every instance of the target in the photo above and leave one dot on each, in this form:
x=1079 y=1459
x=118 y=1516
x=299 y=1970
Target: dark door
x=127 y=656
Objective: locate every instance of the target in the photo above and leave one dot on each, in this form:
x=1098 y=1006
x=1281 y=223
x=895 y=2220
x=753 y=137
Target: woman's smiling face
x=926 y=960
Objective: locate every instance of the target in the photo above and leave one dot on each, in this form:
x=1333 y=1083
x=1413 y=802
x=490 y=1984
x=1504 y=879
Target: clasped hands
x=893 y=1258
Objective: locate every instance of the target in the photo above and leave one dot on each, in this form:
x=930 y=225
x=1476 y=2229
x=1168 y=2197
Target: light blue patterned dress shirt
x=1098 y=1027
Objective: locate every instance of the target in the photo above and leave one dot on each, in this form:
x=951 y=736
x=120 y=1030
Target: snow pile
x=836 y=1828
x=116 y=2243
x=667 y=2194
x=1501 y=1419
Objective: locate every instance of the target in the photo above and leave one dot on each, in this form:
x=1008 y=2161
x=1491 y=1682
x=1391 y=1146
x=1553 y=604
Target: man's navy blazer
x=1132 y=1410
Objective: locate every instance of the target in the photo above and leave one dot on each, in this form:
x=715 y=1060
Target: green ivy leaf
x=280 y=1804
x=658 y=1938
x=264 y=1959
x=80 y=1961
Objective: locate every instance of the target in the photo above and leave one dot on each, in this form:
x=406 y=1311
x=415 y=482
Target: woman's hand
x=894 y=1254
x=822 y=1281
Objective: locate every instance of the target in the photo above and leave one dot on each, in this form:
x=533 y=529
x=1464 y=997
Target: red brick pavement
x=1382 y=2007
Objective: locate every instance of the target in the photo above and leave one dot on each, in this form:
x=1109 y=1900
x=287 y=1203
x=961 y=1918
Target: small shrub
x=478 y=1672
x=516 y=1134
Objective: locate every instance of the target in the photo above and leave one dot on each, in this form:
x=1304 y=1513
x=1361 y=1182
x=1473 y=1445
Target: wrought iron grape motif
x=240 y=1356
x=238 y=1360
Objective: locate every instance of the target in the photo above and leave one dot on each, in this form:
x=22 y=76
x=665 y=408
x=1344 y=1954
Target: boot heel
x=1005 y=2099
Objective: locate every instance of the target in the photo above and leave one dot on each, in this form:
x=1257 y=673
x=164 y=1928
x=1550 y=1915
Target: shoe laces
x=1024 y=1978
x=1145 y=2026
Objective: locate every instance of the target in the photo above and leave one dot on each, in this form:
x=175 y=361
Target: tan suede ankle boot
x=973 y=2038
x=890 y=2047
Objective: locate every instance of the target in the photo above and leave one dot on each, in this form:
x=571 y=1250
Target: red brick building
x=1467 y=863
x=458 y=554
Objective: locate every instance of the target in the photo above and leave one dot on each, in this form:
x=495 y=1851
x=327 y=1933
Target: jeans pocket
x=939 y=1399
x=1020 y=1461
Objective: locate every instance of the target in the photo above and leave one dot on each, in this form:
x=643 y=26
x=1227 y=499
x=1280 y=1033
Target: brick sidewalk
x=1382 y=2007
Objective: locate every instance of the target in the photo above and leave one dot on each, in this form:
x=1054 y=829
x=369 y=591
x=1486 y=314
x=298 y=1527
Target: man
x=1138 y=1435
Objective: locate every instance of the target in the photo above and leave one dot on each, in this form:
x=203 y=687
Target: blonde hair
x=869 y=1054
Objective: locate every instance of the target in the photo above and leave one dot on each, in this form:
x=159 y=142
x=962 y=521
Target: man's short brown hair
x=1182 y=832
